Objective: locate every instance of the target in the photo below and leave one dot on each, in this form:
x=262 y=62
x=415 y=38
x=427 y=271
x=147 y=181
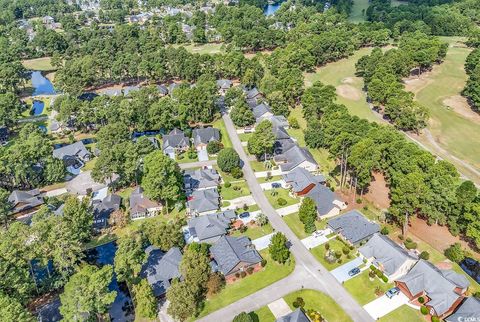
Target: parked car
x=318 y=233
x=354 y=271
x=244 y=215
x=276 y=185
x=248 y=129
x=392 y=292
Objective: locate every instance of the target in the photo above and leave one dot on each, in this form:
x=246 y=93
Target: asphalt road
x=308 y=273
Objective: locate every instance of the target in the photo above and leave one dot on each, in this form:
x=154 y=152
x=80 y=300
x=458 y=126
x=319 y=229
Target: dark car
x=392 y=292
x=244 y=215
x=276 y=185
x=354 y=271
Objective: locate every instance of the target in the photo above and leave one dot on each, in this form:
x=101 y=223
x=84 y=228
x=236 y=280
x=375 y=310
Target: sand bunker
x=460 y=106
x=349 y=92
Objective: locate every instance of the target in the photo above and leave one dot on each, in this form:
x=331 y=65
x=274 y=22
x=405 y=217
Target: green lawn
x=403 y=313
x=183 y=158
x=363 y=290
x=357 y=14
x=320 y=302
x=335 y=245
x=203 y=49
x=244 y=136
x=281 y=193
x=90 y=164
x=250 y=284
x=230 y=192
x=342 y=72
x=219 y=124
x=226 y=177
x=272 y=179
x=296 y=225
x=251 y=208
x=258 y=166
x=42 y=64
x=262 y=315
x=255 y=232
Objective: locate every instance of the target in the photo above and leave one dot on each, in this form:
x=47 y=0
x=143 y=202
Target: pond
x=37 y=107
x=271 y=8
x=41 y=85
x=122 y=308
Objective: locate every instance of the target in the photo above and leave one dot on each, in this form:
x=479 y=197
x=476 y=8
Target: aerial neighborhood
x=270 y=161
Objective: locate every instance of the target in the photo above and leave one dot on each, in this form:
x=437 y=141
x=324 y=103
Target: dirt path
x=378 y=192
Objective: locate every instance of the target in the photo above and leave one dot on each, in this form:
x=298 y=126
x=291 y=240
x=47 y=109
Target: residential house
x=130 y=89
x=25 y=203
x=469 y=310
x=279 y=121
x=111 y=92
x=162 y=89
x=300 y=181
x=262 y=112
x=224 y=85
x=353 y=227
x=188 y=30
x=389 y=257
x=442 y=290
x=161 y=268
x=296 y=316
x=234 y=255
x=252 y=94
x=201 y=137
x=153 y=140
x=328 y=202
x=83 y=184
x=3 y=134
x=209 y=228
x=200 y=179
x=175 y=142
x=296 y=157
x=203 y=202
x=73 y=155
x=172 y=87
x=104 y=204
x=141 y=206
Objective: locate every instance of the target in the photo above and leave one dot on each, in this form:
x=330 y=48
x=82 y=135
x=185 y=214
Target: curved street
x=308 y=273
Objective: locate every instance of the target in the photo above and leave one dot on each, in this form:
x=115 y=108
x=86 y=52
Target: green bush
x=299 y=302
x=327 y=246
x=250 y=270
x=213 y=147
x=408 y=240
x=338 y=254
x=243 y=274
x=379 y=273
x=345 y=250
x=425 y=255
x=385 y=230
x=410 y=244
x=455 y=253
x=384 y=278
x=435 y=319
x=263 y=262
x=421 y=300
x=339 y=261
x=424 y=310
x=281 y=202
x=372 y=268
x=359 y=200
x=227 y=184
x=237 y=173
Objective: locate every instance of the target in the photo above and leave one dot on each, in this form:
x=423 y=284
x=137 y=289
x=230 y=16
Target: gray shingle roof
x=76 y=149
x=130 y=89
x=469 y=310
x=201 y=178
x=295 y=316
x=324 y=198
x=294 y=157
x=102 y=209
x=426 y=277
x=204 y=200
x=175 y=139
x=279 y=121
x=386 y=252
x=299 y=179
x=161 y=268
x=162 y=89
x=280 y=133
x=229 y=251
x=252 y=93
x=25 y=200
x=353 y=226
x=139 y=203
x=205 y=135
x=224 y=83
x=211 y=225
x=260 y=110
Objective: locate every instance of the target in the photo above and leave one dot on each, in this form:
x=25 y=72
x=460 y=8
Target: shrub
x=349 y=256
x=245 y=207
x=338 y=254
x=263 y=262
x=192 y=154
x=273 y=193
x=421 y=300
x=455 y=253
x=359 y=200
x=327 y=246
x=243 y=228
x=339 y=261
x=424 y=310
x=365 y=207
x=400 y=237
x=237 y=188
x=215 y=283
x=435 y=319
x=384 y=278
x=293 y=122
x=237 y=173
x=379 y=273
x=227 y=184
x=425 y=255
x=385 y=230
x=371 y=274
x=299 y=302
x=243 y=274
x=281 y=202
x=345 y=250
x=410 y=244
x=250 y=270
x=237 y=274
x=408 y=240
x=213 y=147
x=243 y=317
x=372 y=268
x=378 y=291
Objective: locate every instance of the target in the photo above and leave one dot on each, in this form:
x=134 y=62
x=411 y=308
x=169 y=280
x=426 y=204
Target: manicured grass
x=258 y=166
x=42 y=64
x=184 y=158
x=203 y=49
x=335 y=245
x=403 y=313
x=272 y=179
x=219 y=124
x=125 y=193
x=244 y=136
x=320 y=302
x=296 y=225
x=281 y=193
x=100 y=240
x=90 y=164
x=271 y=273
x=251 y=208
x=342 y=72
x=363 y=290
x=230 y=192
x=358 y=11
x=227 y=177
x=262 y=315
x=255 y=232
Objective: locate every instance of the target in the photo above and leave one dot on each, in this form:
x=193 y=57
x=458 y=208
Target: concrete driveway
x=383 y=305
x=311 y=241
x=268 y=185
x=279 y=308
x=202 y=155
x=262 y=242
x=288 y=209
x=341 y=273
x=264 y=174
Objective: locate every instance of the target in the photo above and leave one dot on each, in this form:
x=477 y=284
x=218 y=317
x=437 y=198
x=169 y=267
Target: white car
x=318 y=233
